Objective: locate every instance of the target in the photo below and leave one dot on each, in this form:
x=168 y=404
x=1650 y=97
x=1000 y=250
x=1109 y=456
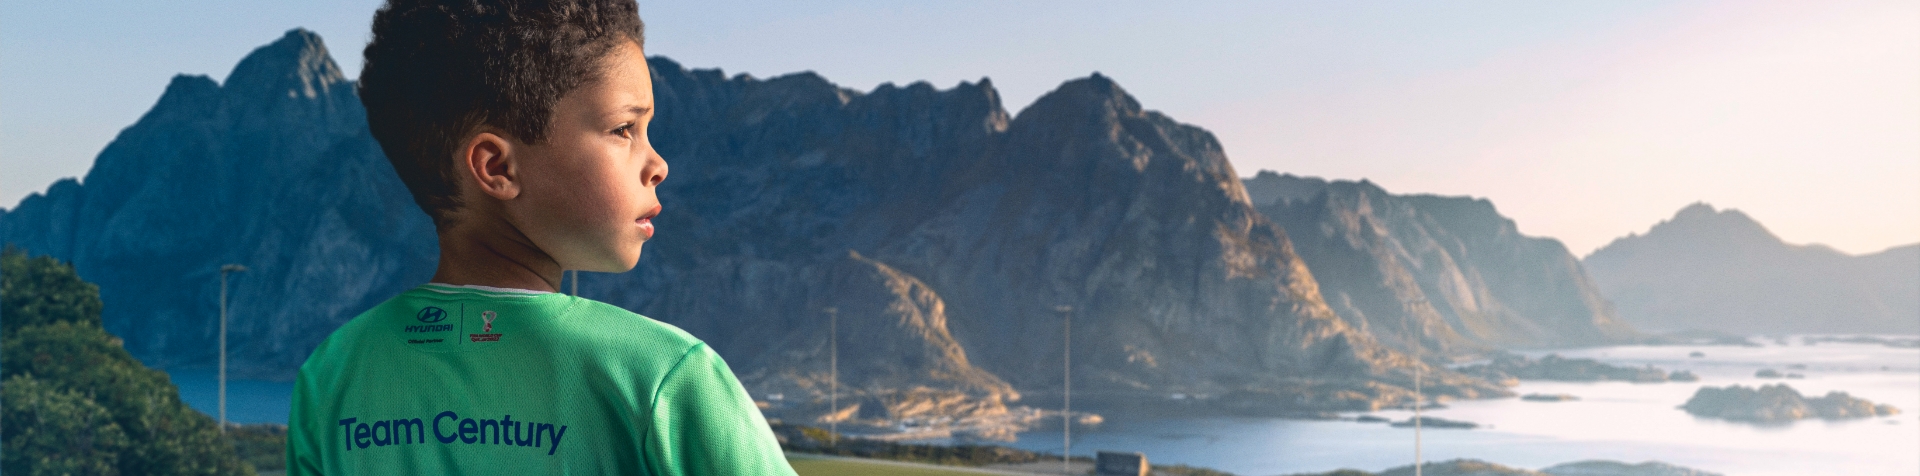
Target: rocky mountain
x=274 y=170
x=1085 y=199
x=944 y=231
x=1721 y=270
x=1447 y=275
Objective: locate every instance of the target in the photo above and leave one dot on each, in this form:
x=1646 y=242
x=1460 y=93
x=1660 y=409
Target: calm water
x=1613 y=420
x=248 y=401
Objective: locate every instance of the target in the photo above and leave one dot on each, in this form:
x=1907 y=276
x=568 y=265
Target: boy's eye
x=625 y=130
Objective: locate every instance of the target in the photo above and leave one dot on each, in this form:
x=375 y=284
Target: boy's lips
x=646 y=221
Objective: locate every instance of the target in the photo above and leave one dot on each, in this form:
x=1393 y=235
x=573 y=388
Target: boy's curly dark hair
x=437 y=70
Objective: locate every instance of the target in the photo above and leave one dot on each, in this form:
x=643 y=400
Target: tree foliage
x=54 y=432
x=69 y=382
x=42 y=290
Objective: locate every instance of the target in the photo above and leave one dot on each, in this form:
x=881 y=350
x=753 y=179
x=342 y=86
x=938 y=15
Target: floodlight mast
x=1418 y=396
x=833 y=375
x=1066 y=380
x=224 y=270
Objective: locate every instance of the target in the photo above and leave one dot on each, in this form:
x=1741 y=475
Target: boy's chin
x=617 y=262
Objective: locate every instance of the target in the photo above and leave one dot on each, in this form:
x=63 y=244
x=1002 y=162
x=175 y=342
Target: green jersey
x=469 y=380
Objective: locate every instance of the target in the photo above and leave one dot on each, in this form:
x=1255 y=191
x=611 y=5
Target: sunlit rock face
x=1721 y=270
x=1136 y=222
x=945 y=232
x=1443 y=275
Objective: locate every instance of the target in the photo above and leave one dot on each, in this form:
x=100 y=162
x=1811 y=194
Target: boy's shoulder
x=590 y=321
x=437 y=318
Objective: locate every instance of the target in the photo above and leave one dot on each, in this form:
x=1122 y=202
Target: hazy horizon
x=1583 y=122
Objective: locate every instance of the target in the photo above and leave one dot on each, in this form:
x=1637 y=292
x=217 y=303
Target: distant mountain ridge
x=1722 y=270
x=1446 y=274
x=943 y=230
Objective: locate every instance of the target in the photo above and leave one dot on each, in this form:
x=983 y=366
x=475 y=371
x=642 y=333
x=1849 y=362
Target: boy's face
x=588 y=192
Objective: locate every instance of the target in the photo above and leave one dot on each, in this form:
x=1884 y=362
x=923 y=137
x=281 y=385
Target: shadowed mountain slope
x=274 y=170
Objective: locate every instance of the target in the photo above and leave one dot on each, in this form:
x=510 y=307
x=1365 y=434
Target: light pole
x=1066 y=380
x=224 y=270
x=833 y=374
x=1418 y=343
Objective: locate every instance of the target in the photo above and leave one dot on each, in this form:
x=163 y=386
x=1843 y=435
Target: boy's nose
x=655 y=171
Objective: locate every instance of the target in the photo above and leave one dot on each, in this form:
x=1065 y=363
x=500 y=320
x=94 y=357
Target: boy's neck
x=488 y=259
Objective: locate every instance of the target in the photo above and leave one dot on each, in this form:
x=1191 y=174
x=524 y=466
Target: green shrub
x=52 y=431
x=42 y=290
x=54 y=350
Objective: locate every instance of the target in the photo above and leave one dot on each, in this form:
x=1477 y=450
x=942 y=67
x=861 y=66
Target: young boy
x=521 y=128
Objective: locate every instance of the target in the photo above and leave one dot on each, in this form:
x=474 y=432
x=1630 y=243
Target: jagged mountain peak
x=752 y=97
x=187 y=95
x=1471 y=212
x=1272 y=188
x=1702 y=214
x=1696 y=210
x=1095 y=94
x=661 y=64
x=1700 y=223
x=1094 y=129
x=297 y=64
x=1268 y=187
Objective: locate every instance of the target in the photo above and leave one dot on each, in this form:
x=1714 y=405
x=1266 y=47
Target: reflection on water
x=1612 y=420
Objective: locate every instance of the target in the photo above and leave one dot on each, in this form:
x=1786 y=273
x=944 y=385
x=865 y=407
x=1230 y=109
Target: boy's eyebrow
x=641 y=111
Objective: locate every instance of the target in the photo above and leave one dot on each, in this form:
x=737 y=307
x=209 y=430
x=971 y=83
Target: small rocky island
x=1779 y=404
x=1894 y=342
x=1431 y=422
x=1544 y=397
x=1616 y=468
x=1703 y=337
x=1474 y=467
x=1509 y=367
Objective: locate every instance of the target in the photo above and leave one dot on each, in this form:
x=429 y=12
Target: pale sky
x=1583 y=121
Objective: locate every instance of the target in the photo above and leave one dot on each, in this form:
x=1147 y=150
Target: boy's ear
x=489 y=159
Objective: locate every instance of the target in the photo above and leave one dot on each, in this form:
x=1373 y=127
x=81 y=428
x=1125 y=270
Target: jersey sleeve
x=303 y=451
x=704 y=423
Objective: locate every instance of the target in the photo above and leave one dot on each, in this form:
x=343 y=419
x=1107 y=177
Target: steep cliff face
x=273 y=170
x=1446 y=275
x=897 y=359
x=1722 y=270
x=1085 y=200
x=944 y=231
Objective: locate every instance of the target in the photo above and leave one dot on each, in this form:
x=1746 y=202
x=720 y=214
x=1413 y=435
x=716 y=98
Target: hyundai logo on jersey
x=431 y=314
